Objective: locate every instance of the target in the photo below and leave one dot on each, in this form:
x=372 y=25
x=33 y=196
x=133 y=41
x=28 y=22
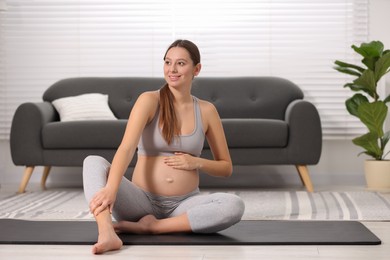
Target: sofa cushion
x=247 y=133
x=104 y=134
x=240 y=133
x=255 y=133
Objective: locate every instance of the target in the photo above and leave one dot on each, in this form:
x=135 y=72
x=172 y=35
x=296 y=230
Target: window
x=43 y=41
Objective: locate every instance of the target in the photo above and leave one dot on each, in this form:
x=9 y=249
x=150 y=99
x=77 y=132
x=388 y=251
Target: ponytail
x=168 y=117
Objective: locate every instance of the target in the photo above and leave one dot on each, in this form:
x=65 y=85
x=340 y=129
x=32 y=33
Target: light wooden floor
x=57 y=252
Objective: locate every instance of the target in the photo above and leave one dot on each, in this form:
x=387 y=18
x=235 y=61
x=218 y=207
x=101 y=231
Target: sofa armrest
x=305 y=133
x=26 y=132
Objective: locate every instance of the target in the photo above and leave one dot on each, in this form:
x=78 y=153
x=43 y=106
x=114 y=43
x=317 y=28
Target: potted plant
x=367 y=105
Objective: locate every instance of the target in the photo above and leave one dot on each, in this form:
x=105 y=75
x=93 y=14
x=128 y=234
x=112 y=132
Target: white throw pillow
x=92 y=106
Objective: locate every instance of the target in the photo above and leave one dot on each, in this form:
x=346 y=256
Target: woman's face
x=179 y=69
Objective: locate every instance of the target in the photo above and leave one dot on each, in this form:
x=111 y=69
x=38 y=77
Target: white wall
x=339 y=164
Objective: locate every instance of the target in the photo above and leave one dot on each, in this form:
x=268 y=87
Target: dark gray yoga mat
x=266 y=232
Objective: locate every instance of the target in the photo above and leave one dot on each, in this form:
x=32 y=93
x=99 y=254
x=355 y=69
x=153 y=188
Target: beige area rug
x=70 y=204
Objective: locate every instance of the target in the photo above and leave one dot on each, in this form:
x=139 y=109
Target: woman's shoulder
x=209 y=113
x=206 y=106
x=152 y=95
x=149 y=97
x=147 y=103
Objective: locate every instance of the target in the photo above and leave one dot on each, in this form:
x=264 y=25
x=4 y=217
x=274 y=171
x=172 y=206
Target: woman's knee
x=235 y=208
x=95 y=166
x=95 y=171
x=95 y=162
x=224 y=211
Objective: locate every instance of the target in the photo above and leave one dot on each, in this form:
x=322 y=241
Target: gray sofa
x=266 y=121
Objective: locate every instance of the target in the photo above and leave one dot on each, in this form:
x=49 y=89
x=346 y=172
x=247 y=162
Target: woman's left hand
x=182 y=161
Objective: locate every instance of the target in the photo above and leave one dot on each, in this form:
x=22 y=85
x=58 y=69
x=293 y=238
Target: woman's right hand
x=103 y=199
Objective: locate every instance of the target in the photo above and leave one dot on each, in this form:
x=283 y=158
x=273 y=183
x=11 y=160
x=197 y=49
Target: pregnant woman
x=168 y=127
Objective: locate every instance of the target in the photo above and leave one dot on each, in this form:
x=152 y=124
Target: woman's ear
x=197 y=69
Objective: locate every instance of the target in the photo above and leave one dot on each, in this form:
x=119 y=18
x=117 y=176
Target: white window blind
x=42 y=41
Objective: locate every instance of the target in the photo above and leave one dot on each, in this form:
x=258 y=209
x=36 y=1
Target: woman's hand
x=182 y=161
x=103 y=199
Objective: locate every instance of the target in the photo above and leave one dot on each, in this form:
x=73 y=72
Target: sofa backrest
x=234 y=97
x=122 y=92
x=248 y=97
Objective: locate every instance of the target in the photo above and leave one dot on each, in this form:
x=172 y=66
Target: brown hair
x=168 y=119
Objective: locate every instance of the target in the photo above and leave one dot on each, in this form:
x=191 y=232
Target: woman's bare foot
x=143 y=226
x=108 y=240
x=149 y=224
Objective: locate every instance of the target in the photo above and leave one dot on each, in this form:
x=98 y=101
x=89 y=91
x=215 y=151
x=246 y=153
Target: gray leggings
x=206 y=213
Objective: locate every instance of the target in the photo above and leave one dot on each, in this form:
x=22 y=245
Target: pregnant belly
x=153 y=175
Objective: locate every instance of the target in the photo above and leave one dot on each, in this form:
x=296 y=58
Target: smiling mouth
x=173 y=78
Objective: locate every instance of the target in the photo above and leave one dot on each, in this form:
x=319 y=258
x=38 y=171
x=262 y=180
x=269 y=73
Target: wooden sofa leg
x=305 y=177
x=45 y=174
x=26 y=177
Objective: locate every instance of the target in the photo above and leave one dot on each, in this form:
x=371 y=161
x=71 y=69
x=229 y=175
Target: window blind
x=43 y=41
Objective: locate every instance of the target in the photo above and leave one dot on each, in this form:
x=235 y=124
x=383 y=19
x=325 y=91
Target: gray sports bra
x=152 y=143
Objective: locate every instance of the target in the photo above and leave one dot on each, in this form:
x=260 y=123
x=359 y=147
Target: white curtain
x=42 y=41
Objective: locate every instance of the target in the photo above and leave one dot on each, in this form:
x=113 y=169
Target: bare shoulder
x=149 y=96
x=146 y=104
x=210 y=116
x=148 y=100
x=207 y=108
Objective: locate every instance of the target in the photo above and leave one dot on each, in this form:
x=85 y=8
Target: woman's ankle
x=104 y=221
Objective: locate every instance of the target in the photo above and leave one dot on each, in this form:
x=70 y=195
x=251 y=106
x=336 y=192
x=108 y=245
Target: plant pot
x=377 y=174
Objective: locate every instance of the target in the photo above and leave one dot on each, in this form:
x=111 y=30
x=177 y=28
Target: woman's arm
x=222 y=163
x=221 y=166
x=142 y=112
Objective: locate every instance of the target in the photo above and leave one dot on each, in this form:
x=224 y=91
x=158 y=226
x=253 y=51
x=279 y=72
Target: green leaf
x=354 y=102
x=348 y=71
x=373 y=115
x=370 y=62
x=382 y=66
x=354 y=87
x=348 y=65
x=366 y=82
x=385 y=139
x=369 y=142
x=349 y=85
x=370 y=50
